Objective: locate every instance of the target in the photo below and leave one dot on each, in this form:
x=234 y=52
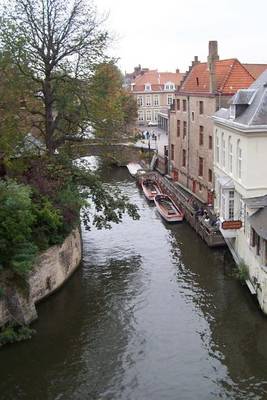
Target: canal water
x=153 y=314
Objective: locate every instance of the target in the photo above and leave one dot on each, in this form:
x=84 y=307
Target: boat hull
x=150 y=189
x=169 y=211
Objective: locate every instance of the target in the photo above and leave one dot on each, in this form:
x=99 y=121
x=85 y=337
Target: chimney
x=212 y=58
x=195 y=61
x=177 y=71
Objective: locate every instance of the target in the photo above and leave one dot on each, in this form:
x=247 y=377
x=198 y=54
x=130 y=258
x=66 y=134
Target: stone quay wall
x=51 y=270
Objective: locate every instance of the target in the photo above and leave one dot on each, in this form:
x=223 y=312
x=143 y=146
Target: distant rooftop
x=231 y=75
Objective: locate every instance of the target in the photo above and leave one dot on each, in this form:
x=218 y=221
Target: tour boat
x=167 y=209
x=150 y=188
x=135 y=169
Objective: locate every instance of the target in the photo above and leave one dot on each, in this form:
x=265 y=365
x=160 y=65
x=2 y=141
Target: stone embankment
x=51 y=270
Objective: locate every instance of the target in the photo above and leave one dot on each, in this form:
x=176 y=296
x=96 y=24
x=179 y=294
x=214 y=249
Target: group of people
x=148 y=135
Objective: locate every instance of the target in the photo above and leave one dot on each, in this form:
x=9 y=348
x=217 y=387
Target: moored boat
x=168 y=209
x=135 y=169
x=150 y=188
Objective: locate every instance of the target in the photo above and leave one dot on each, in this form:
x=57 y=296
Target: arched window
x=239 y=159
x=230 y=155
x=223 y=150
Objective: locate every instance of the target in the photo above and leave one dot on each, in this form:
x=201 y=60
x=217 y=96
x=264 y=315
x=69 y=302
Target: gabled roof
x=254 y=115
x=156 y=79
x=231 y=75
x=255 y=69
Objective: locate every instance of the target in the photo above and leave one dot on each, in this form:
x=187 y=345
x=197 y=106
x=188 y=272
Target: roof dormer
x=147 y=87
x=169 y=86
x=240 y=102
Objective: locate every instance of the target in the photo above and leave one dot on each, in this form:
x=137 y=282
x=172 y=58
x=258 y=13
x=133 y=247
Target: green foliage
x=242 y=272
x=48 y=224
x=112 y=108
x=16 y=220
x=12 y=334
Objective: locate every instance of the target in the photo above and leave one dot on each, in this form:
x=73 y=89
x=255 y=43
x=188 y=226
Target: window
x=197 y=81
x=169 y=86
x=265 y=253
x=200 y=166
x=140 y=101
x=184 y=158
x=239 y=160
x=201 y=135
x=255 y=241
x=148 y=100
x=178 y=127
x=169 y=99
x=210 y=175
x=223 y=150
x=258 y=245
x=184 y=105
x=147 y=87
x=210 y=142
x=178 y=104
x=156 y=100
x=156 y=112
x=184 y=128
x=228 y=204
x=201 y=107
x=148 y=115
x=172 y=152
x=231 y=205
x=230 y=155
x=193 y=116
x=217 y=144
x=140 y=116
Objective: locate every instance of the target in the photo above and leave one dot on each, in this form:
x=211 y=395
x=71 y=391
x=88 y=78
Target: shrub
x=16 y=219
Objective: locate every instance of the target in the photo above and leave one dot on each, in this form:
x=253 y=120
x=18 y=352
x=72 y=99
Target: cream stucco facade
x=240 y=160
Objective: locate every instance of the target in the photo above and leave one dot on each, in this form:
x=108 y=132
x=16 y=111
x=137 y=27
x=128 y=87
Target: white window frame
x=223 y=150
x=148 y=101
x=228 y=204
x=156 y=113
x=156 y=100
x=169 y=97
x=148 y=87
x=230 y=155
x=148 y=115
x=217 y=147
x=239 y=160
x=141 y=116
x=140 y=101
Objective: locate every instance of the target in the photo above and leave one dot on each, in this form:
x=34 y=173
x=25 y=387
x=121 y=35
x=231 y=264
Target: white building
x=240 y=168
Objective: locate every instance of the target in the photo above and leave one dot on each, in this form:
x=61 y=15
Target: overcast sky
x=168 y=34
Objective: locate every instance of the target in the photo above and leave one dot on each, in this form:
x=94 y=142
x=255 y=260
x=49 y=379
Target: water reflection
x=153 y=314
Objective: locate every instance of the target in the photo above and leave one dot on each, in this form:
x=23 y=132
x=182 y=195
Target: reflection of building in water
x=240 y=159
x=236 y=332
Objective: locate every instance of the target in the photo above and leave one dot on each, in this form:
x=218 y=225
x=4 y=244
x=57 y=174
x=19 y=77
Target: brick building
x=205 y=88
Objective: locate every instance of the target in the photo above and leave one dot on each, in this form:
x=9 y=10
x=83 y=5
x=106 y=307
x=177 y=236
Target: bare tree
x=55 y=44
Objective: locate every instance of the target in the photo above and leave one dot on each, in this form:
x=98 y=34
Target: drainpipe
x=169 y=143
x=188 y=133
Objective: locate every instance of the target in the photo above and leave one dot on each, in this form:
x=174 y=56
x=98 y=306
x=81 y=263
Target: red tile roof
x=231 y=75
x=255 y=69
x=156 y=79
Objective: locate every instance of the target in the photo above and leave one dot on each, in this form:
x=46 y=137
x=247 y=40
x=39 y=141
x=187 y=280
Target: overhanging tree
x=56 y=45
